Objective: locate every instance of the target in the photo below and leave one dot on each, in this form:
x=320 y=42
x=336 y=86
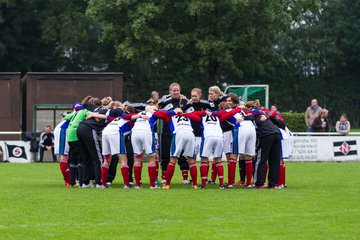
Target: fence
x=307 y=147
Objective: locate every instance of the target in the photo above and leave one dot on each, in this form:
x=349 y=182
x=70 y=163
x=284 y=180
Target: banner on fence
x=325 y=148
x=15 y=151
x=305 y=148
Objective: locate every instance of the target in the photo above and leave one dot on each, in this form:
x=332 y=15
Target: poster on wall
x=15 y=151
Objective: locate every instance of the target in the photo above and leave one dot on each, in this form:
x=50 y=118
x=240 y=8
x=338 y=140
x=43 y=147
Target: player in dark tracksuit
x=170 y=102
x=88 y=134
x=269 y=148
x=46 y=142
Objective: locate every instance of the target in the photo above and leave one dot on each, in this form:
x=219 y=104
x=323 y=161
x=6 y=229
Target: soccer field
x=321 y=202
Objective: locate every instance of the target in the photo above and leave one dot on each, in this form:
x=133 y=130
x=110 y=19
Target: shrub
x=294 y=121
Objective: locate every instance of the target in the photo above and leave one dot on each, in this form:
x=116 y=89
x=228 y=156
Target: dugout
x=10 y=99
x=44 y=93
x=251 y=93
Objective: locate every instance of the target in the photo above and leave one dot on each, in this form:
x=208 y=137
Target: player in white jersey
x=113 y=144
x=183 y=142
x=61 y=149
x=143 y=140
x=212 y=143
x=244 y=140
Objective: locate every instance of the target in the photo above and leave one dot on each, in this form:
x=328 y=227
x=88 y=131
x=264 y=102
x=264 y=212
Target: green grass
x=355 y=130
x=321 y=202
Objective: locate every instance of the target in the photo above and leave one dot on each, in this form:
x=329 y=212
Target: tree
x=197 y=43
x=321 y=55
x=51 y=36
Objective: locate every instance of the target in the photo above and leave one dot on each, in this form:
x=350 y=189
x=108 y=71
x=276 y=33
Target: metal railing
x=11 y=133
x=324 y=134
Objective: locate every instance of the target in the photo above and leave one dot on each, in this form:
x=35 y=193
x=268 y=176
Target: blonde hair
x=216 y=90
x=117 y=104
x=324 y=110
x=174 y=84
x=198 y=90
x=253 y=104
x=106 y=101
x=155 y=108
x=150 y=108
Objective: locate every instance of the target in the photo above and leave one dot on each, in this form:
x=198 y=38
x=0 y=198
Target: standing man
x=169 y=102
x=312 y=112
x=46 y=142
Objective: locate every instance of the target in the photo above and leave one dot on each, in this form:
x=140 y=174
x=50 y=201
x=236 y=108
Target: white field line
x=237 y=219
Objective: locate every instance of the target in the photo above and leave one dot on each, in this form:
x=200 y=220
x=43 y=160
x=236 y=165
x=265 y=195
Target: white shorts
x=286 y=143
x=227 y=142
x=211 y=145
x=113 y=144
x=198 y=141
x=245 y=139
x=183 y=142
x=143 y=141
x=61 y=146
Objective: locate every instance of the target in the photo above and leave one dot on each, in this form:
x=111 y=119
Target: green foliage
x=294 y=121
x=321 y=61
x=36 y=205
x=50 y=36
x=193 y=42
x=303 y=49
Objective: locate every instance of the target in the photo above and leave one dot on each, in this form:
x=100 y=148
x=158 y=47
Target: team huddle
x=98 y=134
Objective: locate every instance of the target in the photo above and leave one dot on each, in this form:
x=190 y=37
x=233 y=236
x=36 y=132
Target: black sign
x=345 y=148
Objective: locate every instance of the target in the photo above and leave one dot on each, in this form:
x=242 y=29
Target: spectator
x=312 y=112
x=46 y=142
x=321 y=124
x=343 y=125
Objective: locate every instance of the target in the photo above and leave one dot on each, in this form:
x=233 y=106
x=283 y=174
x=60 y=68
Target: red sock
x=152 y=173
x=204 y=169
x=67 y=176
x=281 y=174
x=184 y=174
x=64 y=168
x=169 y=172
x=220 y=172
x=193 y=173
x=248 y=171
x=284 y=174
x=231 y=170
x=266 y=171
x=125 y=174
x=213 y=171
x=137 y=173
x=104 y=175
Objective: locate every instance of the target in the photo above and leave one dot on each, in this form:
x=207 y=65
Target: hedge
x=294 y=121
